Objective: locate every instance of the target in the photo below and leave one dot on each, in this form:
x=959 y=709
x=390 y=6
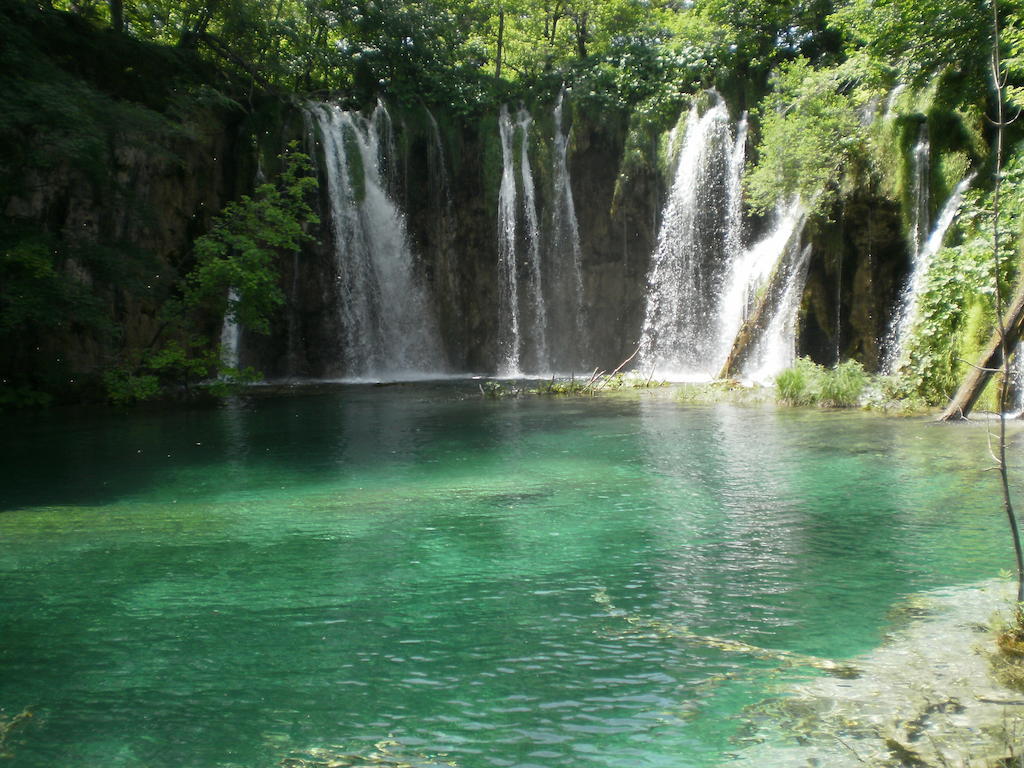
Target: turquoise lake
x=244 y=584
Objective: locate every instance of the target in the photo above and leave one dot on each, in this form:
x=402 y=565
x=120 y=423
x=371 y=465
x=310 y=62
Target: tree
x=920 y=38
x=240 y=251
x=1000 y=123
x=235 y=277
x=809 y=132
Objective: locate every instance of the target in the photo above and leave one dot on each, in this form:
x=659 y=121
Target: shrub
x=799 y=385
x=808 y=383
x=843 y=385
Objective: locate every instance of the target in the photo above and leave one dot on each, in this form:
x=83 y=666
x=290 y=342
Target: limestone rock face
x=858 y=265
x=121 y=236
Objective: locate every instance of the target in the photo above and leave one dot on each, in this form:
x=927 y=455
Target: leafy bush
x=23 y=397
x=810 y=130
x=239 y=253
x=125 y=386
x=175 y=369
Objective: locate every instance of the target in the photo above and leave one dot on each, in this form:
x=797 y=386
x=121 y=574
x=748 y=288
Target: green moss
x=949 y=171
x=669 y=145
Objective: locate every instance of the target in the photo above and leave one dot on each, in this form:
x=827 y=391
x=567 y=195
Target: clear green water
x=230 y=586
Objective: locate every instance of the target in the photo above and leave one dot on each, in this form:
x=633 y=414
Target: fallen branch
x=626 y=361
x=1004 y=702
x=786 y=658
x=621 y=366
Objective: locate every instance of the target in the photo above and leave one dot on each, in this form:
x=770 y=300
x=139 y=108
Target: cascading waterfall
x=775 y=348
x=508 y=309
x=743 y=270
x=437 y=170
x=920 y=191
x=516 y=294
x=387 y=328
x=700 y=233
x=447 y=281
x=767 y=269
x=567 y=322
x=907 y=314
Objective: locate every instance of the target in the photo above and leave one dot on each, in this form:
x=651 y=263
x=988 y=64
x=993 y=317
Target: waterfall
x=894 y=96
x=775 y=348
x=742 y=271
x=387 y=328
x=437 y=170
x=514 y=246
x=920 y=161
x=565 y=256
x=447 y=281
x=230 y=334
x=766 y=270
x=698 y=237
x=896 y=342
x=508 y=295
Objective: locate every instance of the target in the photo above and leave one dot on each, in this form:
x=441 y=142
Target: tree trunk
x=501 y=44
x=742 y=344
x=117 y=15
x=582 y=22
x=991 y=359
x=790 y=264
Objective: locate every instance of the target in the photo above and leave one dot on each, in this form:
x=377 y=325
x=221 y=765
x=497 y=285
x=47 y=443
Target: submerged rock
x=926 y=697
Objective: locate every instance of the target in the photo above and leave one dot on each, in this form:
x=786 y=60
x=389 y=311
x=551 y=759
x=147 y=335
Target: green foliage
x=810 y=130
x=807 y=383
x=69 y=94
x=235 y=276
x=175 y=369
x=239 y=253
x=955 y=314
x=763 y=33
x=843 y=386
x=919 y=38
x=799 y=384
x=124 y=387
x=23 y=397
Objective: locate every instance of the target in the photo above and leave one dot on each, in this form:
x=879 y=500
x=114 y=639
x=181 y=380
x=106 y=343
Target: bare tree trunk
x=990 y=360
x=1004 y=477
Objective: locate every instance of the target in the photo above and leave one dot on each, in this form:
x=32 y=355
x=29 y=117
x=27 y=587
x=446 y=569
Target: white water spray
x=514 y=246
x=699 y=236
x=907 y=314
x=565 y=254
x=748 y=277
x=230 y=334
x=387 y=327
